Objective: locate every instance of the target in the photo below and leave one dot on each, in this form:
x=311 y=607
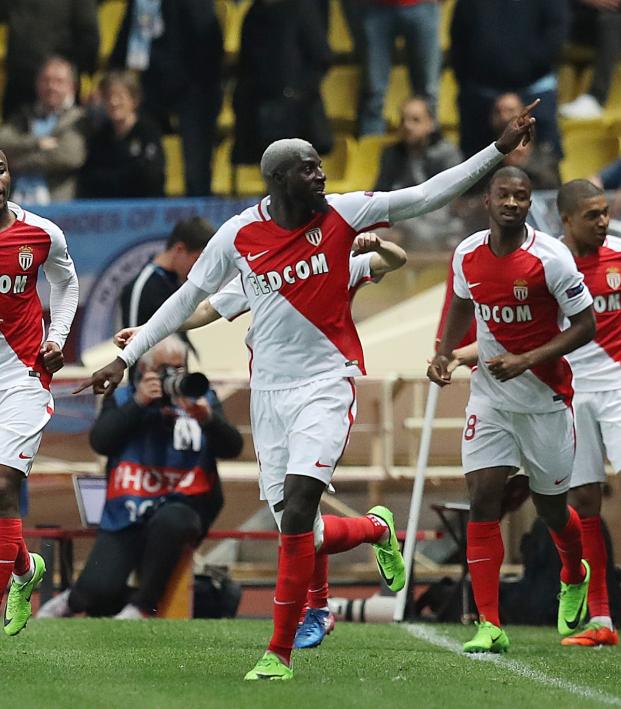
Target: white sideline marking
x=433 y=637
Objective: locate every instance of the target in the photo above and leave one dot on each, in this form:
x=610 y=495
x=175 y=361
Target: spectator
x=610 y=177
x=417 y=21
x=38 y=29
x=538 y=161
x=125 y=156
x=176 y=45
x=420 y=153
x=504 y=46
x=161 y=277
x=46 y=142
x=163 y=487
x=607 y=45
x=283 y=57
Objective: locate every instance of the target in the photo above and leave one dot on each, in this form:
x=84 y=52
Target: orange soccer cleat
x=592 y=635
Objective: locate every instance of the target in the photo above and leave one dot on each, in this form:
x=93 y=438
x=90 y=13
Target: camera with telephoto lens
x=177 y=382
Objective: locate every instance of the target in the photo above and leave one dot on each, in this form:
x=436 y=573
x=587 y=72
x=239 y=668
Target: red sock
x=10 y=538
x=595 y=552
x=344 y=533
x=485 y=552
x=318 y=588
x=569 y=546
x=22 y=562
x=295 y=568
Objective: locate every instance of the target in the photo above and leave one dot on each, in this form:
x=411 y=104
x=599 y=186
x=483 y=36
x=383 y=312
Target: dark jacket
x=283 y=57
x=190 y=51
x=39 y=28
x=507 y=45
x=131 y=166
x=144 y=467
x=398 y=169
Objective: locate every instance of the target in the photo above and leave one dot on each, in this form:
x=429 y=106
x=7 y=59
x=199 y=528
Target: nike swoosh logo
x=321 y=465
x=558 y=482
x=24 y=457
x=252 y=257
x=388 y=580
x=573 y=624
x=474 y=285
x=476 y=561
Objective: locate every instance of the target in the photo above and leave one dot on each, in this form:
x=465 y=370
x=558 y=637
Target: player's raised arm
x=386 y=257
x=442 y=188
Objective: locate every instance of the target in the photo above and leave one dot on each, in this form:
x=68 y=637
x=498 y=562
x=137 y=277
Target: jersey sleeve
x=362 y=210
x=58 y=266
x=360 y=270
x=566 y=283
x=460 y=285
x=216 y=266
x=230 y=302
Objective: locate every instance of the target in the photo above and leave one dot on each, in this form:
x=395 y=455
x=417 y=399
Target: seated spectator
x=610 y=177
x=420 y=153
x=177 y=47
x=163 y=487
x=46 y=142
x=539 y=162
x=605 y=15
x=125 y=155
x=283 y=57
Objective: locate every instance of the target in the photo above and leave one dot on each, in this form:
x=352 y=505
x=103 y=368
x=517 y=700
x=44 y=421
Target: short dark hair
x=194 y=233
x=128 y=79
x=510 y=172
x=572 y=193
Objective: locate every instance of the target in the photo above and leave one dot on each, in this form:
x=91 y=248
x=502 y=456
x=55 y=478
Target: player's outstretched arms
x=387 y=256
x=105 y=380
x=442 y=188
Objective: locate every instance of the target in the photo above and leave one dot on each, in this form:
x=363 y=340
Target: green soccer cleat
x=572 y=604
x=388 y=555
x=270 y=666
x=18 y=609
x=488 y=638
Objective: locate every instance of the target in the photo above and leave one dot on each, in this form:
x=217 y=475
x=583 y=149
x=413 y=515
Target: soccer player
x=371 y=259
x=516 y=281
x=292 y=250
x=597 y=382
x=28 y=358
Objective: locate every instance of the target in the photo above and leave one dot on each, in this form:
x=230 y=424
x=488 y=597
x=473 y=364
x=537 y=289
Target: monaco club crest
x=613 y=278
x=520 y=289
x=25 y=257
x=314 y=236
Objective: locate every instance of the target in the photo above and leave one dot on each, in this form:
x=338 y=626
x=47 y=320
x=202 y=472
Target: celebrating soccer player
x=292 y=251
x=597 y=382
x=28 y=359
x=516 y=280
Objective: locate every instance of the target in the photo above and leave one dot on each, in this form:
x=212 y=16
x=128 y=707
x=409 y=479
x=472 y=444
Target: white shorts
x=24 y=411
x=598 y=435
x=300 y=431
x=543 y=444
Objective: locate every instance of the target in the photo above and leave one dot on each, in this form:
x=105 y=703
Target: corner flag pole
x=417 y=498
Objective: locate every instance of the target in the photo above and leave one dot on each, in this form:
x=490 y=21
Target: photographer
x=163 y=487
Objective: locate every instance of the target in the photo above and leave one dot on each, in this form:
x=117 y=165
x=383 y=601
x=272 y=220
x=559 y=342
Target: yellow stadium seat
x=339 y=163
x=339 y=36
x=446 y=16
x=340 y=94
x=226 y=119
x=588 y=147
x=222 y=174
x=3 y=41
x=448 y=113
x=110 y=17
x=366 y=162
x=231 y=14
x=247 y=181
x=613 y=105
x=175 y=179
x=398 y=91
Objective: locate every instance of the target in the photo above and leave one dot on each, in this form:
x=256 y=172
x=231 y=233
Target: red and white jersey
x=29 y=243
x=231 y=301
x=597 y=365
x=297 y=285
x=520 y=300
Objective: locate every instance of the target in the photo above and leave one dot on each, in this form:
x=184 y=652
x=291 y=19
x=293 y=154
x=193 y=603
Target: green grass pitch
x=92 y=664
